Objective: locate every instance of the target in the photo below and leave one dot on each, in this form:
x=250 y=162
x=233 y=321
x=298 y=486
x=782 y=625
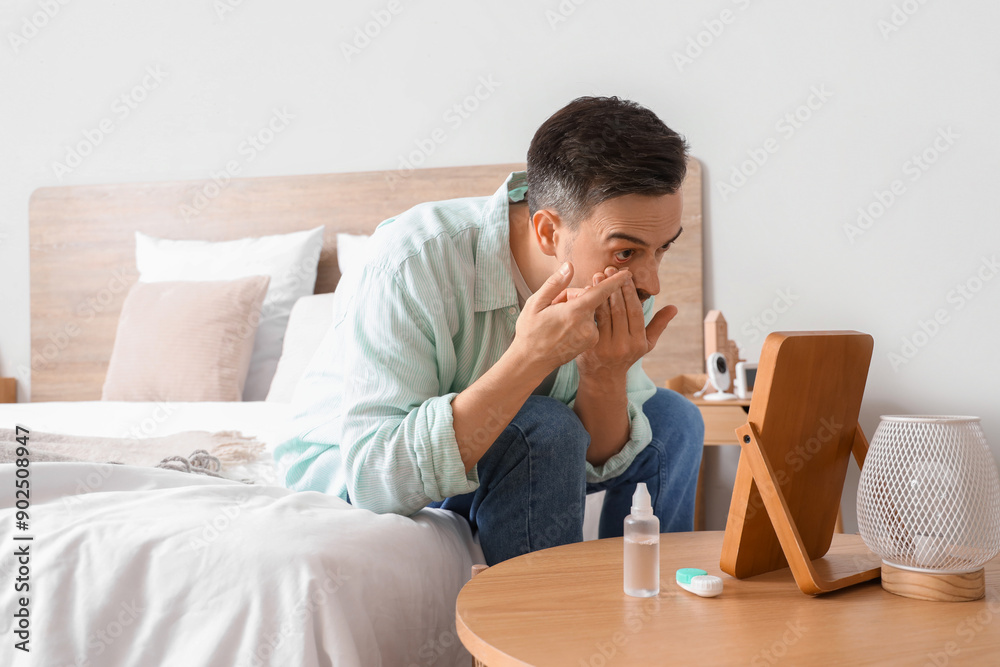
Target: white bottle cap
x=641 y=502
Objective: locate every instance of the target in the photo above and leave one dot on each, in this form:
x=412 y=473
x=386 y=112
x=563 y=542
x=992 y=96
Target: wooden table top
x=739 y=402
x=565 y=606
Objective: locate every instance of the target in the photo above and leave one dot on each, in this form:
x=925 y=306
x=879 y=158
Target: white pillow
x=289 y=259
x=311 y=317
x=351 y=249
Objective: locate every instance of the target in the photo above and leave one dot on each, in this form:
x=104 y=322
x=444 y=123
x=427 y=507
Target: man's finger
x=636 y=323
x=603 y=317
x=659 y=322
x=619 y=314
x=551 y=288
x=597 y=295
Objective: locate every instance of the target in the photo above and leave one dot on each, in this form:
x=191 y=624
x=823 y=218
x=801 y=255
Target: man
x=486 y=359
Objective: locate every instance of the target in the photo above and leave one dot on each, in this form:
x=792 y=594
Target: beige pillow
x=185 y=340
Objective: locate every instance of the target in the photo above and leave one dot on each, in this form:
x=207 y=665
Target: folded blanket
x=209 y=453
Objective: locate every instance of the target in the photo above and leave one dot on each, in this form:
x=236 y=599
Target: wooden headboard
x=83 y=252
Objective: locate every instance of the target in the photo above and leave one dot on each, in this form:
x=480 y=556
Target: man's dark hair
x=599 y=148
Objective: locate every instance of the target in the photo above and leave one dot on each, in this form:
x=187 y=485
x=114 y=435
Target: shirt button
x=513 y=310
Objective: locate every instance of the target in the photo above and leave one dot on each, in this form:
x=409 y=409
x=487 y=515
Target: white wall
x=887 y=94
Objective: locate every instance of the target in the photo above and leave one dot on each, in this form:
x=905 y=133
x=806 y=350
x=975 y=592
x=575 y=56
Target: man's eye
x=627 y=254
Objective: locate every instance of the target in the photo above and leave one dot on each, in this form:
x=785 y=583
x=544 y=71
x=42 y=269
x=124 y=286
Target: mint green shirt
x=431 y=310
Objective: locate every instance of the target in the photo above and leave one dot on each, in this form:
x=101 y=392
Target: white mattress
x=193 y=570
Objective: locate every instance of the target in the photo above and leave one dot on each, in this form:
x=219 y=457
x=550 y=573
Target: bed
x=138 y=565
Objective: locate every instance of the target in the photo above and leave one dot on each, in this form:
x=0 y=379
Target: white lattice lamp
x=929 y=505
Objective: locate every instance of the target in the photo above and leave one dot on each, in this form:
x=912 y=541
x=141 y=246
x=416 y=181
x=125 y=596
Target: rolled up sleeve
x=397 y=429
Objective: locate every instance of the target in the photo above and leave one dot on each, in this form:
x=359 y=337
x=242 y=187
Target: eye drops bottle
x=642 y=547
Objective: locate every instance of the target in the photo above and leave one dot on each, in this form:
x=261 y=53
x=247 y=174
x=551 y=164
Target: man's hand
x=623 y=335
x=551 y=333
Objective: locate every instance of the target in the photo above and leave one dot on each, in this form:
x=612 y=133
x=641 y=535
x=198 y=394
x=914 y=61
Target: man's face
x=631 y=231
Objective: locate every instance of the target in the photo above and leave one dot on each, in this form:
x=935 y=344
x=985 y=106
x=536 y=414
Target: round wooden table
x=565 y=606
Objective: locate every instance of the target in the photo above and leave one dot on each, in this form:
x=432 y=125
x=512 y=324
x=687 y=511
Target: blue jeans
x=532 y=480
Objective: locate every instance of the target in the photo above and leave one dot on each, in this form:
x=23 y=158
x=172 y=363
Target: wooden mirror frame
x=795 y=448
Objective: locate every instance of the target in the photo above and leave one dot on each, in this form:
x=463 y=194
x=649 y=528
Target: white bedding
x=144 y=566
x=267 y=421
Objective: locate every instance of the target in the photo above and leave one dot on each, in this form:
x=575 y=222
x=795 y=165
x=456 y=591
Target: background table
x=565 y=606
x=722 y=418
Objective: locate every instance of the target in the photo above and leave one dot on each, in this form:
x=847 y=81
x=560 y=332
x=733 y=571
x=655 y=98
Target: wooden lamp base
x=939 y=587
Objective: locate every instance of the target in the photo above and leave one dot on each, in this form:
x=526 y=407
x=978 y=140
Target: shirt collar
x=494 y=282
